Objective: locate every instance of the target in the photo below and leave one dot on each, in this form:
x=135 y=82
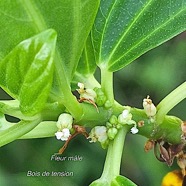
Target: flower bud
x=108 y=125
x=113 y=120
x=64 y=121
x=149 y=107
x=112 y=133
x=108 y=104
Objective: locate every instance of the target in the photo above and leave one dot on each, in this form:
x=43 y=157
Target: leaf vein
x=147 y=36
x=128 y=29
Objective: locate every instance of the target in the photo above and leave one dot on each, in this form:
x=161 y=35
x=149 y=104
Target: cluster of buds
x=101 y=99
x=103 y=134
x=64 y=125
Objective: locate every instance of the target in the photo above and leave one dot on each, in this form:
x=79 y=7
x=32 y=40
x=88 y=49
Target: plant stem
x=113 y=158
x=170 y=101
x=67 y=98
x=107 y=84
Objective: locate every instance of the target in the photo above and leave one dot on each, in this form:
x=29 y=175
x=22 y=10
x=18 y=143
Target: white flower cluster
x=105 y=133
x=64 y=125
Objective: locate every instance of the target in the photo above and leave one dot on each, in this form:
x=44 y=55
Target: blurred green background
x=156 y=74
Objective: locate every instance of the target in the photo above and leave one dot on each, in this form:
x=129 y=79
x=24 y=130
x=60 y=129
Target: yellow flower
x=174 y=178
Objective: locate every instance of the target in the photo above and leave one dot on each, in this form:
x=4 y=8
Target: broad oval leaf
x=72 y=20
x=26 y=72
x=125 y=29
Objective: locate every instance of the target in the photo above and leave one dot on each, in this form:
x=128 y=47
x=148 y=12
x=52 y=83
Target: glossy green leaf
x=26 y=72
x=43 y=130
x=17 y=130
x=100 y=182
x=87 y=64
x=86 y=67
x=125 y=29
x=122 y=181
x=72 y=20
x=117 y=181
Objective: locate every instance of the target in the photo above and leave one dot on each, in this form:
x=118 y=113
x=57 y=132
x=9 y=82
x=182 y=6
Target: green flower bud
x=118 y=126
x=99 y=91
x=113 y=120
x=112 y=133
x=108 y=125
x=108 y=104
x=100 y=100
x=105 y=144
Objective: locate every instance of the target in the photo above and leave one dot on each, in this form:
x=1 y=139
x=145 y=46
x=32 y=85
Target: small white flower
x=63 y=135
x=134 y=130
x=59 y=135
x=64 y=121
x=88 y=94
x=125 y=117
x=81 y=86
x=101 y=133
x=125 y=113
x=149 y=107
x=98 y=133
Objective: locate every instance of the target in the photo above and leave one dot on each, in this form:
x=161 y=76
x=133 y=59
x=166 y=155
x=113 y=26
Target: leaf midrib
x=104 y=28
x=129 y=27
x=39 y=23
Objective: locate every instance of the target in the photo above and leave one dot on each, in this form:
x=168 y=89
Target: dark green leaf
x=125 y=29
x=26 y=72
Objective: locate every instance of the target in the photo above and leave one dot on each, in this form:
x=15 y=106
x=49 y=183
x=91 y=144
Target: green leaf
x=16 y=131
x=125 y=29
x=43 y=130
x=122 y=181
x=72 y=20
x=26 y=72
x=86 y=67
x=117 y=181
x=87 y=64
x=100 y=182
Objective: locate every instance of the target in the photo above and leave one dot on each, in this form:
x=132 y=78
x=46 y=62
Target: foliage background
x=156 y=74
